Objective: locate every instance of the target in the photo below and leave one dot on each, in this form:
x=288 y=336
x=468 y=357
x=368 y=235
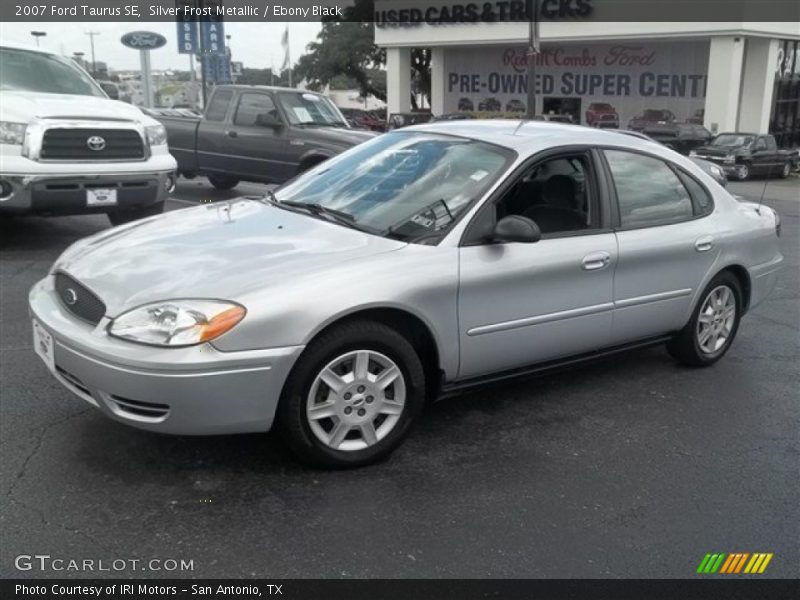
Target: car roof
x=525 y=136
x=26 y=47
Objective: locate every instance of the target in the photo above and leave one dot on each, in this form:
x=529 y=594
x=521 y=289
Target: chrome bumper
x=189 y=391
x=66 y=194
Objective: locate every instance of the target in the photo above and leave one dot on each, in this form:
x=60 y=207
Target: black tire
x=292 y=420
x=743 y=172
x=310 y=163
x=685 y=346
x=120 y=217
x=223 y=183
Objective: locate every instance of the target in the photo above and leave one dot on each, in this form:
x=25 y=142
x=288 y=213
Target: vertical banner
x=212 y=29
x=187 y=28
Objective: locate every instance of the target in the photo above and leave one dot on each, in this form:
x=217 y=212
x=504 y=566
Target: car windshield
x=404 y=185
x=732 y=139
x=654 y=115
x=310 y=110
x=46 y=73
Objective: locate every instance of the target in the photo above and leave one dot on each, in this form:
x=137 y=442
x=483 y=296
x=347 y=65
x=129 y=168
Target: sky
x=257 y=45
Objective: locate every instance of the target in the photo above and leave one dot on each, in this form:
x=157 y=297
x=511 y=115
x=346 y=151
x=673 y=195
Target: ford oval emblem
x=70 y=296
x=96 y=143
x=143 y=40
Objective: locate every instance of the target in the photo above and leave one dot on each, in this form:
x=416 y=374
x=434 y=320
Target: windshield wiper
x=337 y=216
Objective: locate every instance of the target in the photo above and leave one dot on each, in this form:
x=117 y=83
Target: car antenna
x=764 y=190
x=522 y=122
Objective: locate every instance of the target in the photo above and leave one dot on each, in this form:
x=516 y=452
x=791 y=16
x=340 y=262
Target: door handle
x=230 y=133
x=596 y=261
x=704 y=244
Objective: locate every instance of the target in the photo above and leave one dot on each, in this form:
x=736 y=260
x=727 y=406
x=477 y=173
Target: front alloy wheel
x=742 y=172
x=356 y=400
x=352 y=396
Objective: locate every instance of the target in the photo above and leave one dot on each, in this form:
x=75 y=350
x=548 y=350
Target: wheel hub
x=356 y=400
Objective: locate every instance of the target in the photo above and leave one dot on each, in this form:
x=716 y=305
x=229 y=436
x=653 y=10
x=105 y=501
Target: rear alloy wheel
x=120 y=217
x=713 y=326
x=352 y=396
x=786 y=170
x=223 y=183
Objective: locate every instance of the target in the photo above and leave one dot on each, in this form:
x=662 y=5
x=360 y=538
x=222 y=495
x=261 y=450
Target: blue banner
x=213 y=36
x=186 y=28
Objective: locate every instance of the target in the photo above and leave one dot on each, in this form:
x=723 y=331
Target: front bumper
x=66 y=194
x=190 y=391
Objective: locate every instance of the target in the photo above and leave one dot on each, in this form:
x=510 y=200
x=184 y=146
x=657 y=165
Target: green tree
x=346 y=48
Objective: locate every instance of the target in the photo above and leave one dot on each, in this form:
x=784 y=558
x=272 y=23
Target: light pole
x=91 y=35
x=37 y=35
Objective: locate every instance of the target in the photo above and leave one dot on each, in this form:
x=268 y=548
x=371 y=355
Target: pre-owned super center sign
x=631 y=76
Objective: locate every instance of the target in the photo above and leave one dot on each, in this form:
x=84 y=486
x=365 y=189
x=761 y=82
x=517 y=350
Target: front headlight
x=692 y=153
x=12 y=133
x=718 y=173
x=156 y=135
x=177 y=322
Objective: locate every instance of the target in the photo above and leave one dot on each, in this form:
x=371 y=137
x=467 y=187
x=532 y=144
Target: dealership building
x=728 y=76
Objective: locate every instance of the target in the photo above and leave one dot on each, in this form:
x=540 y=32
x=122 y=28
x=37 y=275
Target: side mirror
x=267 y=120
x=516 y=228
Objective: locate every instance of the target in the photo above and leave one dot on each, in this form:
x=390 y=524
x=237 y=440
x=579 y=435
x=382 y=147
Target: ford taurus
x=419 y=263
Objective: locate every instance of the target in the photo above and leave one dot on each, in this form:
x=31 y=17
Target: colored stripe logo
x=737 y=562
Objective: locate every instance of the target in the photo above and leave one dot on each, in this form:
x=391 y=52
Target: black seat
x=558 y=210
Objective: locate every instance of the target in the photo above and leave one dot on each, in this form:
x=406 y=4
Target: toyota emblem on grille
x=96 y=143
x=70 y=296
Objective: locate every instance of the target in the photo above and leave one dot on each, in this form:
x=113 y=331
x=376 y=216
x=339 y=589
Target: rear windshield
x=45 y=73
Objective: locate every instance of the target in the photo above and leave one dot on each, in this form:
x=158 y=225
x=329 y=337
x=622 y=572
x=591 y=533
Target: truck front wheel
x=120 y=217
x=221 y=182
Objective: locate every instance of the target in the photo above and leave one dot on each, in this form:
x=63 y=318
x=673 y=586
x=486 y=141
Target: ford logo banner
x=143 y=40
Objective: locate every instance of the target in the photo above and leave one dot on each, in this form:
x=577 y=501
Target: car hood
x=22 y=107
x=339 y=135
x=225 y=250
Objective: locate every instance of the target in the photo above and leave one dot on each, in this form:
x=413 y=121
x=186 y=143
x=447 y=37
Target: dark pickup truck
x=258 y=133
x=744 y=154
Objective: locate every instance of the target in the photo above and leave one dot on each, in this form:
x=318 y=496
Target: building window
x=784 y=122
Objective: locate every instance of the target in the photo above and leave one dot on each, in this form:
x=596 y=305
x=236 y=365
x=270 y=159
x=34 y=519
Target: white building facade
x=727 y=76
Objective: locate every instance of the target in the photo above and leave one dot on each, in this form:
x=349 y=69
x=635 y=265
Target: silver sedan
x=417 y=264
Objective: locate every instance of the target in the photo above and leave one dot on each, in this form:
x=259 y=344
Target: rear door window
x=649 y=193
x=218 y=106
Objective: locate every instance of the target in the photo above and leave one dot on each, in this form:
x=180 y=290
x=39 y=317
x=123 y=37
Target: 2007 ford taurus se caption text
x=418 y=263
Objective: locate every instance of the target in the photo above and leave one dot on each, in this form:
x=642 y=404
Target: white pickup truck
x=66 y=148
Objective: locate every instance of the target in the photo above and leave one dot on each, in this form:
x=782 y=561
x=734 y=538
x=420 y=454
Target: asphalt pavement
x=631 y=467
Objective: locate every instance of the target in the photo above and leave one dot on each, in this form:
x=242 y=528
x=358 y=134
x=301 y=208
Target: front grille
x=92 y=144
x=79 y=300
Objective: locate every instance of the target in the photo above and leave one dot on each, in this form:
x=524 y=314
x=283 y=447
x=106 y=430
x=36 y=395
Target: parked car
x=465 y=105
x=68 y=149
x=363 y=119
x=452 y=117
x=714 y=171
x=418 y=264
x=258 y=133
x=516 y=106
x=490 y=105
x=554 y=118
x=602 y=114
x=651 y=117
x=681 y=137
x=744 y=154
x=698 y=118
x=398 y=120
